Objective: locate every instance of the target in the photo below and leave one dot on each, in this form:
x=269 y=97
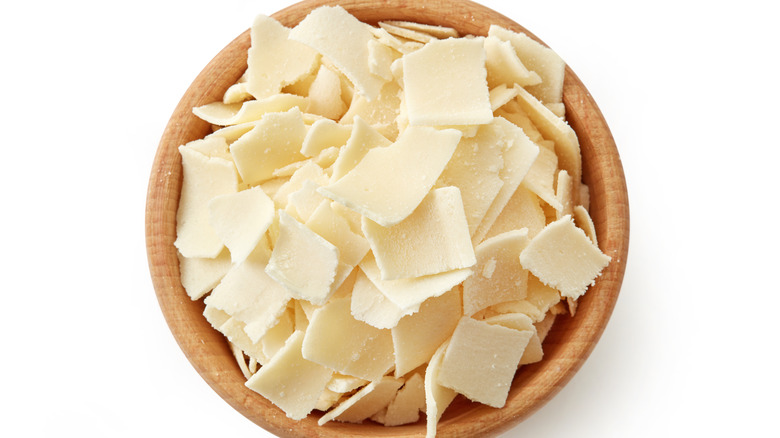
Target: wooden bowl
x=571 y=339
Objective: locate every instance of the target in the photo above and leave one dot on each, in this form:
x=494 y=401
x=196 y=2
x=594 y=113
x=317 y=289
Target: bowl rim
x=568 y=345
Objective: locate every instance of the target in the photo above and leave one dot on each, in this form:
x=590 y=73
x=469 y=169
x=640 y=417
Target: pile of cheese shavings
x=386 y=217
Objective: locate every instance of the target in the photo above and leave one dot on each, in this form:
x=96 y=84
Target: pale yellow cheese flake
x=440 y=32
x=274 y=60
x=433 y=239
x=417 y=159
x=372 y=307
x=324 y=134
x=519 y=321
x=380 y=58
x=220 y=114
x=343 y=39
x=504 y=67
x=249 y=295
x=416 y=337
x=481 y=360
x=200 y=275
x=274 y=142
x=325 y=95
x=563 y=257
x=475 y=169
x=303 y=261
x=539 y=59
x=362 y=138
x=445 y=84
x=501 y=95
x=335 y=339
x=498 y=275
x=408 y=292
x=407 y=404
x=241 y=220
x=554 y=128
x=583 y=220
x=541 y=178
x=406 y=33
x=381 y=113
x=563 y=194
x=366 y=402
x=291 y=382
x=519 y=156
x=437 y=396
x=203 y=179
x=522 y=211
x=308 y=171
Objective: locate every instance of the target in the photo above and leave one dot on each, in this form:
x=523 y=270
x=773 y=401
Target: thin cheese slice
x=303 y=261
x=407 y=404
x=475 y=169
x=437 y=397
x=563 y=193
x=519 y=321
x=481 y=360
x=541 y=178
x=200 y=275
x=302 y=203
x=240 y=359
x=325 y=95
x=498 y=275
x=416 y=337
x=241 y=220
x=249 y=295
x=203 y=179
x=335 y=228
x=445 y=84
x=380 y=57
x=409 y=292
x=543 y=327
x=563 y=257
x=504 y=67
x=233 y=330
x=583 y=220
x=567 y=146
x=362 y=138
x=341 y=383
x=381 y=112
x=275 y=338
x=309 y=171
x=522 y=211
x=406 y=33
x=291 y=382
x=417 y=158
x=401 y=45
x=341 y=38
x=501 y=95
x=440 y=32
x=519 y=157
x=274 y=142
x=236 y=93
x=372 y=307
x=221 y=114
x=212 y=146
x=274 y=60
x=338 y=341
x=363 y=404
x=324 y=134
x=433 y=239
x=539 y=59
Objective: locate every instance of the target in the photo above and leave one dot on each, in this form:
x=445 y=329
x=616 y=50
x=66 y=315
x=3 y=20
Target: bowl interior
x=567 y=346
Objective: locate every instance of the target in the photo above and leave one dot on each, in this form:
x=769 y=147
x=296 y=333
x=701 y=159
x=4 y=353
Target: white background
x=690 y=90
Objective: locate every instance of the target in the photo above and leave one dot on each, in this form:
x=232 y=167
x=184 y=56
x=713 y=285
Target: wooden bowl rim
x=569 y=343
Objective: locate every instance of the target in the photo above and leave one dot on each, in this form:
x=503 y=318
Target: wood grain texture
x=571 y=339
